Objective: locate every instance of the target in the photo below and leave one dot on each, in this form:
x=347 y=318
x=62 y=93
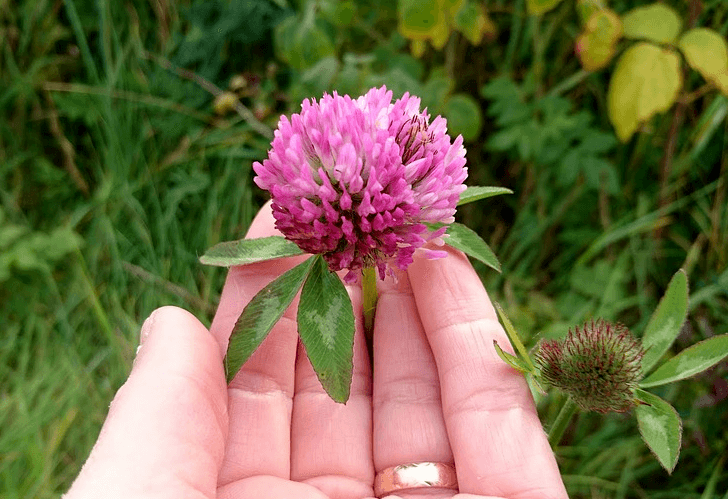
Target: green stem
x=369 y=302
x=538 y=62
x=516 y=26
x=562 y=421
x=569 y=82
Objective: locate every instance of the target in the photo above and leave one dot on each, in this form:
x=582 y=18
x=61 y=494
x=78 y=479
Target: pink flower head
x=357 y=180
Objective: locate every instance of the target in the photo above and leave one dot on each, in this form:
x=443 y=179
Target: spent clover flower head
x=598 y=365
x=357 y=180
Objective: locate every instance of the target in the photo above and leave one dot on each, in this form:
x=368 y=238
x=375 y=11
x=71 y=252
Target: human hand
x=440 y=394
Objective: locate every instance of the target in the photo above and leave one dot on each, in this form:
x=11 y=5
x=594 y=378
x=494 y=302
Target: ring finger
x=408 y=422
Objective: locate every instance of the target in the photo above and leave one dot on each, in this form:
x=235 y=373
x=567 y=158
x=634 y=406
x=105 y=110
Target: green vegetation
x=127 y=135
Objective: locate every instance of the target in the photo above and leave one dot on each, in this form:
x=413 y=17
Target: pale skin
x=439 y=393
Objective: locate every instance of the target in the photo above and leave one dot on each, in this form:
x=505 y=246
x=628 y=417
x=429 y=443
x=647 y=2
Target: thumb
x=166 y=429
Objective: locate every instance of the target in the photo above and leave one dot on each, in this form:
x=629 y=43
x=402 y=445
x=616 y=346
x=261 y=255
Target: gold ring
x=415 y=476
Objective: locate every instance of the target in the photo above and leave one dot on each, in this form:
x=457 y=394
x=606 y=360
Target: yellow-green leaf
x=656 y=22
x=418 y=47
x=721 y=81
x=451 y=7
x=592 y=54
x=597 y=44
x=418 y=19
x=646 y=81
x=605 y=25
x=439 y=35
x=539 y=7
x=427 y=20
x=586 y=8
x=707 y=52
x=472 y=21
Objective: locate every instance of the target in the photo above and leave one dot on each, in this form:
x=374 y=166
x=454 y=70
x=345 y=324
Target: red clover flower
x=598 y=365
x=357 y=180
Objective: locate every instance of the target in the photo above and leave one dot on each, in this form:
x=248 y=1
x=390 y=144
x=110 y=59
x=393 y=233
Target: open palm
x=439 y=393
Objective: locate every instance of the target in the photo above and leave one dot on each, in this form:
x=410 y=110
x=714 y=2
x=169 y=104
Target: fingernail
x=147 y=328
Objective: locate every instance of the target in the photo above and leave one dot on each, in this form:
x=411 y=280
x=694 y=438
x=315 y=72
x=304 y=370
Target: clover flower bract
x=599 y=365
x=357 y=180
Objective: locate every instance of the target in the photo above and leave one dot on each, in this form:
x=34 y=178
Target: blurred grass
x=146 y=186
x=116 y=173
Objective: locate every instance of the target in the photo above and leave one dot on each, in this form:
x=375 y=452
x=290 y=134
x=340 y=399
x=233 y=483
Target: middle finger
x=330 y=442
x=259 y=397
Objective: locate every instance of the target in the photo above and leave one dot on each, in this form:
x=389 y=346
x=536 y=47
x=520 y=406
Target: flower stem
x=369 y=302
x=562 y=421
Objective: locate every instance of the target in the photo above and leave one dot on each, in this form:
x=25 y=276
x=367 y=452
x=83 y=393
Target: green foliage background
x=123 y=156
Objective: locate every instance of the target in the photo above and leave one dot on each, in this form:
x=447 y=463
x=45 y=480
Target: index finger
x=496 y=437
x=260 y=397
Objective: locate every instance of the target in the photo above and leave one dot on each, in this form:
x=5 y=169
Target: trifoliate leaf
x=691 y=361
x=655 y=22
x=666 y=321
x=660 y=427
x=646 y=81
x=469 y=242
x=326 y=327
x=512 y=360
x=249 y=251
x=514 y=338
x=477 y=192
x=260 y=315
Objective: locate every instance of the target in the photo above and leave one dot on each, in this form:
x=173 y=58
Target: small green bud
x=599 y=365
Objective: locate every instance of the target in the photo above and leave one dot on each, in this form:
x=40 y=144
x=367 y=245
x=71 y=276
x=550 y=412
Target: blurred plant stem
x=243 y=111
x=150 y=100
x=538 y=50
x=664 y=192
x=569 y=83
